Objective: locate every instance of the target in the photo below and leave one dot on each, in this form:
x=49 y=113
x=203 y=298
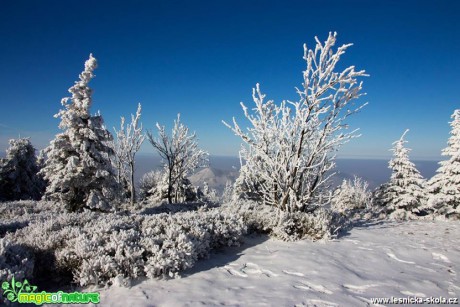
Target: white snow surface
x=416 y=258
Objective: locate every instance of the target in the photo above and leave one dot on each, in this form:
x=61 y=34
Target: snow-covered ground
x=416 y=258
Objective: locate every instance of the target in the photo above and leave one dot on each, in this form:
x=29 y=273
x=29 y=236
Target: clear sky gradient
x=201 y=58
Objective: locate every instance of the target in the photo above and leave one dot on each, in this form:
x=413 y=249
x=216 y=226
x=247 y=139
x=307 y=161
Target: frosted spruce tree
x=78 y=167
x=19 y=177
x=289 y=152
x=181 y=156
x=404 y=195
x=128 y=142
x=444 y=187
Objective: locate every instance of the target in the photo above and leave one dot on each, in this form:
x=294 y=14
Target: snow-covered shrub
x=208 y=195
x=353 y=199
x=405 y=194
x=154 y=189
x=107 y=248
x=176 y=241
x=15 y=260
x=444 y=187
x=18 y=172
x=104 y=249
x=11 y=227
x=151 y=184
x=289 y=226
x=293 y=226
x=16 y=215
x=290 y=146
x=78 y=168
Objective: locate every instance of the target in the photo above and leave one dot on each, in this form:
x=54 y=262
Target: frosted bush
x=289 y=226
x=15 y=260
x=112 y=248
x=154 y=189
x=351 y=195
x=149 y=181
x=353 y=200
x=208 y=195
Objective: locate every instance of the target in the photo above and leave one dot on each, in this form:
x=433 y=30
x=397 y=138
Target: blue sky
x=201 y=58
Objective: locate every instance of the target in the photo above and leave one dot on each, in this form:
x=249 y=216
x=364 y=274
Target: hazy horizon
x=374 y=171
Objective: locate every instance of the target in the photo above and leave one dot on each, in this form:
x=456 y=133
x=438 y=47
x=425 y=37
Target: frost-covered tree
x=290 y=146
x=445 y=184
x=78 y=167
x=129 y=140
x=404 y=195
x=19 y=177
x=180 y=154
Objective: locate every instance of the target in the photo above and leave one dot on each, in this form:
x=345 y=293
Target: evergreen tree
x=78 y=167
x=18 y=172
x=404 y=194
x=445 y=184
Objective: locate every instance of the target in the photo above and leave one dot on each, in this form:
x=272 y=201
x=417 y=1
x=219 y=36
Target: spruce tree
x=404 y=195
x=445 y=185
x=18 y=172
x=78 y=167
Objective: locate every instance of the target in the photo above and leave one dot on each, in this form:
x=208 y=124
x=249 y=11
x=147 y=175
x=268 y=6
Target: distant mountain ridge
x=216 y=178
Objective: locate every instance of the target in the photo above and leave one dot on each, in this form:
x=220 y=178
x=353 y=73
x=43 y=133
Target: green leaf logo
x=12 y=290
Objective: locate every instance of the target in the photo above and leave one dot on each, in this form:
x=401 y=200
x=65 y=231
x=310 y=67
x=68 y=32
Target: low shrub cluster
x=289 y=226
x=94 y=248
x=98 y=248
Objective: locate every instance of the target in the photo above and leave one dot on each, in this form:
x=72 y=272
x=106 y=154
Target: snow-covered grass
x=400 y=259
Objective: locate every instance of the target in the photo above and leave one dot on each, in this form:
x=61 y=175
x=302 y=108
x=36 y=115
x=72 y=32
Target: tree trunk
x=133 y=196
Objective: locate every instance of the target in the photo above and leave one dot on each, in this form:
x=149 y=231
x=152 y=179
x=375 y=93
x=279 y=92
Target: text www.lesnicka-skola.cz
x=415 y=300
